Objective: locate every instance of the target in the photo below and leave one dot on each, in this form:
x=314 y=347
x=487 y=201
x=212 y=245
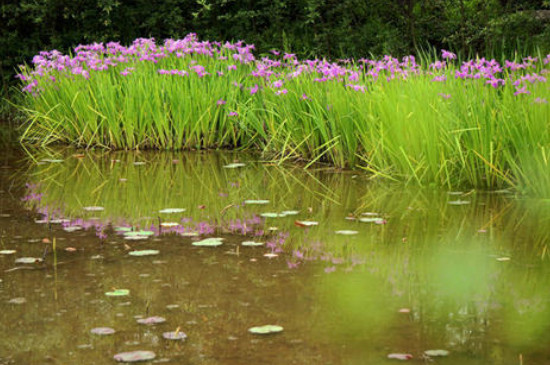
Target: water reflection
x=462 y=271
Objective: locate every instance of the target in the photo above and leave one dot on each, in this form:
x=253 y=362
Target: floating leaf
x=138 y=233
x=346 y=232
x=7 y=252
x=72 y=228
x=123 y=229
x=102 y=331
x=372 y=220
x=436 y=353
x=458 y=202
x=249 y=202
x=210 y=242
x=265 y=330
x=143 y=253
x=28 y=260
x=19 y=300
x=136 y=238
x=117 y=293
x=169 y=224
x=93 y=209
x=400 y=356
x=234 y=165
x=252 y=243
x=271 y=215
x=151 y=320
x=290 y=212
x=172 y=210
x=305 y=223
x=176 y=335
x=135 y=356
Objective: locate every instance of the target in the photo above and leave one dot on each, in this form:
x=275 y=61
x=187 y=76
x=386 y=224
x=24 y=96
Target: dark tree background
x=325 y=28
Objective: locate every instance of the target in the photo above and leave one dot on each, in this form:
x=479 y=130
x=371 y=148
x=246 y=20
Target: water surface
x=466 y=272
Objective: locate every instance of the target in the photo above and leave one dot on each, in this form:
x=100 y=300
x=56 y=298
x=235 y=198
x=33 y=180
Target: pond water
x=353 y=269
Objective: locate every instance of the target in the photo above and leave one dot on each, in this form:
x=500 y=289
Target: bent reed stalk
x=476 y=123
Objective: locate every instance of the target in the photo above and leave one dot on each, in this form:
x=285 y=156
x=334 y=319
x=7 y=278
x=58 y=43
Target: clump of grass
x=435 y=122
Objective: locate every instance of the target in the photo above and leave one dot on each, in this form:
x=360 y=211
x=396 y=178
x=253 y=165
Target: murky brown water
x=467 y=273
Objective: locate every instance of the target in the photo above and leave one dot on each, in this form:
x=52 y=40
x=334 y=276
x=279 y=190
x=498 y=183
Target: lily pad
x=265 y=330
x=176 y=335
x=143 y=253
x=123 y=229
x=136 y=238
x=272 y=215
x=135 y=356
x=7 y=252
x=371 y=220
x=434 y=353
x=209 y=242
x=169 y=224
x=249 y=202
x=346 y=232
x=151 y=320
x=172 y=210
x=72 y=228
x=93 y=209
x=234 y=165
x=117 y=293
x=28 y=260
x=458 y=202
x=138 y=233
x=290 y=212
x=19 y=300
x=306 y=223
x=102 y=331
x=400 y=356
x=252 y=243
